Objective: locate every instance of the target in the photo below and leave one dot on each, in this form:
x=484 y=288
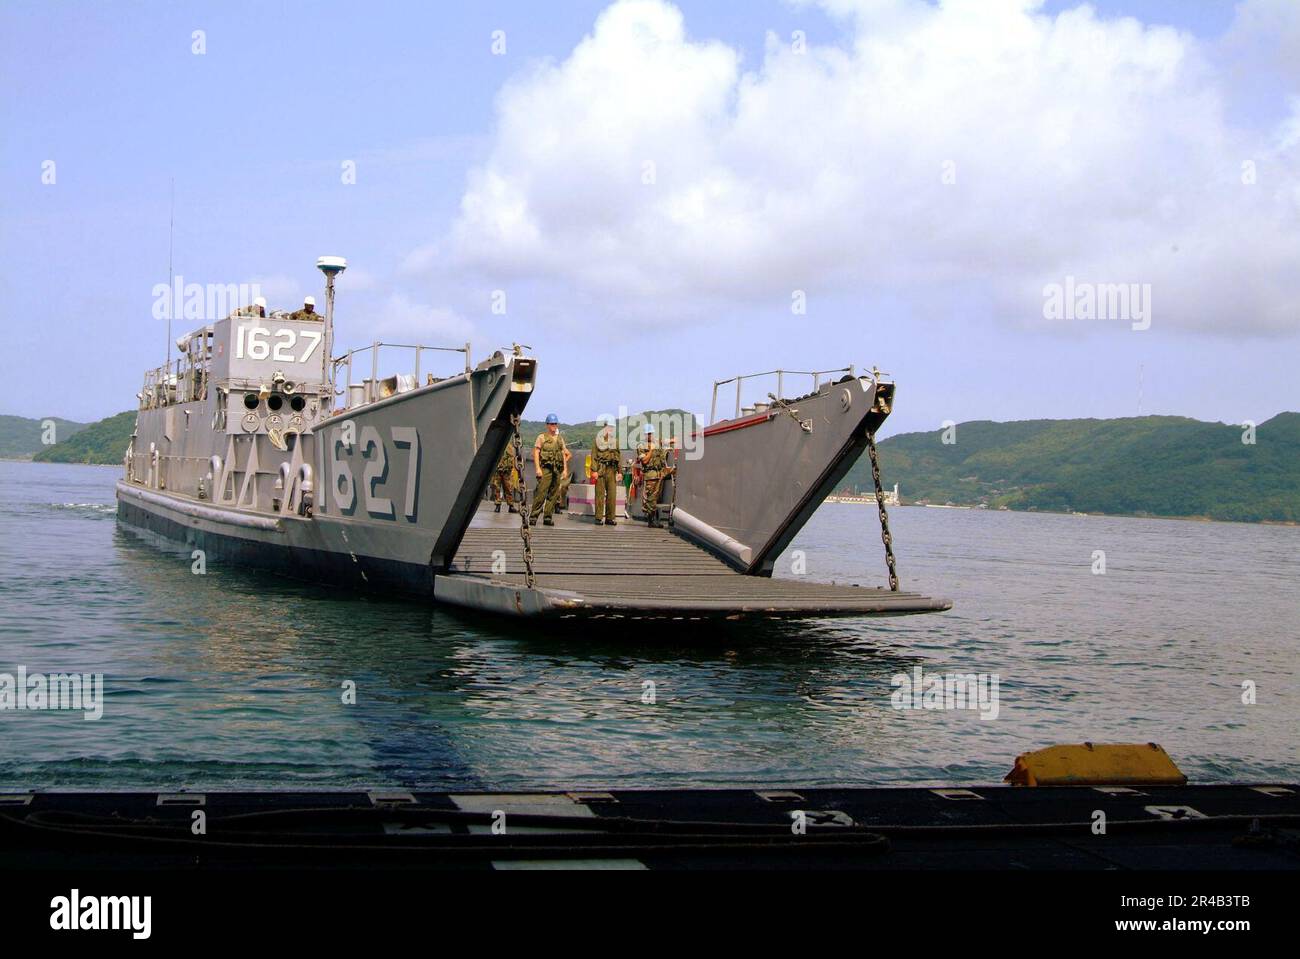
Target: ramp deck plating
x=633 y=570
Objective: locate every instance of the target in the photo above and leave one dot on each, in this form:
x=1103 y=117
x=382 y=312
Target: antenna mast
x=171 y=293
x=331 y=266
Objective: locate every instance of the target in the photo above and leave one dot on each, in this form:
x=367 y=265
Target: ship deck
x=633 y=571
x=1209 y=826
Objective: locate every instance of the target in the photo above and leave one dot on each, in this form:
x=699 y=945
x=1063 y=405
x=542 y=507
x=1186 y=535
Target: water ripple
x=237 y=679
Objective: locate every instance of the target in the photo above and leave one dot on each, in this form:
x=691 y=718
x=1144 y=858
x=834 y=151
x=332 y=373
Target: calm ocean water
x=234 y=678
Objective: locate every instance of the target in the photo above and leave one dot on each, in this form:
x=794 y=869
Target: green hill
x=103 y=442
x=1150 y=465
x=22 y=438
x=581 y=435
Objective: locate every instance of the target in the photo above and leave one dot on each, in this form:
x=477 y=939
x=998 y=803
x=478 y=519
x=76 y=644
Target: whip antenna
x=171 y=293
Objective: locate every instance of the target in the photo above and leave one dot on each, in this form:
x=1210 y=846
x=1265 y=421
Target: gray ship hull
x=764 y=474
x=285 y=551
x=400 y=481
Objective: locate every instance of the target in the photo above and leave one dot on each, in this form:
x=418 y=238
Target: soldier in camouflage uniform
x=257 y=309
x=562 y=494
x=654 y=467
x=503 y=480
x=605 y=461
x=551 y=460
x=308 y=311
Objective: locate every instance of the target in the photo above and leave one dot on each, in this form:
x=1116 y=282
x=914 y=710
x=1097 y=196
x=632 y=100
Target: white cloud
x=400 y=316
x=1098 y=148
x=282 y=292
x=360 y=280
x=1264 y=39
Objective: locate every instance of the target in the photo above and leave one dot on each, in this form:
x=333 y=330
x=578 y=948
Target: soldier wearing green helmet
x=503 y=480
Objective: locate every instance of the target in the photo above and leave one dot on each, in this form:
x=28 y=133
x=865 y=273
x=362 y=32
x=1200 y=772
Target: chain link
x=885 y=536
x=805 y=425
x=521 y=502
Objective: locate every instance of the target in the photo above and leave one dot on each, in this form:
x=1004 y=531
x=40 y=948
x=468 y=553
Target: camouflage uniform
x=250 y=311
x=562 y=495
x=605 y=457
x=654 y=461
x=306 y=314
x=503 y=480
x=550 y=456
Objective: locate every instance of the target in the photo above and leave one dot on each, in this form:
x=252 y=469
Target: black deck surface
x=1212 y=827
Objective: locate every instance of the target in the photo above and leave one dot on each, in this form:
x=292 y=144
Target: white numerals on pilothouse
x=260 y=343
x=376 y=471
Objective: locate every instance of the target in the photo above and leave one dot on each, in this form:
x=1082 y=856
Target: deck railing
x=368 y=388
x=780 y=385
x=179 y=381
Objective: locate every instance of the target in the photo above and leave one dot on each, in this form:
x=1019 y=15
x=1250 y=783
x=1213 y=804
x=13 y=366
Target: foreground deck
x=633 y=571
x=1237 y=827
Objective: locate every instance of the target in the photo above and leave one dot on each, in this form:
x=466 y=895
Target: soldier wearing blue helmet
x=551 y=461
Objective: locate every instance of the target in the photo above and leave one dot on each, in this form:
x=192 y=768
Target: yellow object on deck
x=1097 y=764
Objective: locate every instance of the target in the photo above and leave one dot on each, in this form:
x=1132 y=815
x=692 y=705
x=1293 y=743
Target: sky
x=655 y=196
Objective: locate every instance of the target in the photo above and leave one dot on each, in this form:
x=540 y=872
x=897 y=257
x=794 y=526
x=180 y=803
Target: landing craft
x=263 y=449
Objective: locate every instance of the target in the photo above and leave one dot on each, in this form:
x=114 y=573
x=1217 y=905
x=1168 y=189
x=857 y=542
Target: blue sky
x=641 y=299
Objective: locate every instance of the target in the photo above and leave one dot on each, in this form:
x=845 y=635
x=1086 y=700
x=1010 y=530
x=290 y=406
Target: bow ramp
x=635 y=571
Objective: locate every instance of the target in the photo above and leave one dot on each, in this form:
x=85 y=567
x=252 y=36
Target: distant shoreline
x=1052 y=512
x=871 y=502
x=28 y=459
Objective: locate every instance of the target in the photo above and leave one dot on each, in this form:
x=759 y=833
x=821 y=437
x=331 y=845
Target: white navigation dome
x=331 y=265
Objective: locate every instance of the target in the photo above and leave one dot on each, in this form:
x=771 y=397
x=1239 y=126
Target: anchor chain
x=521 y=502
x=805 y=425
x=885 y=536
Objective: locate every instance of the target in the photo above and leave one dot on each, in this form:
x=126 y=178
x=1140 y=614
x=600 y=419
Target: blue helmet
x=551 y=418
